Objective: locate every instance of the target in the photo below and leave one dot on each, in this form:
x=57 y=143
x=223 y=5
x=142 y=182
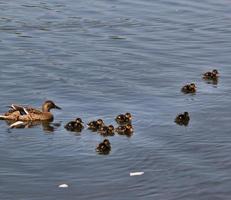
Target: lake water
x=100 y=58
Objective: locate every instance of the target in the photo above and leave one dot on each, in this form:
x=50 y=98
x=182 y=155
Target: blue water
x=97 y=59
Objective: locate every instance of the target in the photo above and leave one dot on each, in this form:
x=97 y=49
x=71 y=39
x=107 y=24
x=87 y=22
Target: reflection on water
x=46 y=125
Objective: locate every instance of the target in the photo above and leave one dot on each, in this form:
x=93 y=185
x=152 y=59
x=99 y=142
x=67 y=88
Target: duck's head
x=215 y=72
x=48 y=105
x=78 y=120
x=129 y=116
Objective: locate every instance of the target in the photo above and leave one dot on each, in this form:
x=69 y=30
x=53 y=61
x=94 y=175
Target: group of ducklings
x=124 y=128
x=183 y=118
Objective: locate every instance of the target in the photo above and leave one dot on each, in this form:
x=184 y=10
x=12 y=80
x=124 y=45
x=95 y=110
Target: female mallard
x=76 y=125
x=107 y=130
x=104 y=147
x=95 y=125
x=190 y=88
x=213 y=75
x=124 y=118
x=125 y=130
x=26 y=113
x=182 y=119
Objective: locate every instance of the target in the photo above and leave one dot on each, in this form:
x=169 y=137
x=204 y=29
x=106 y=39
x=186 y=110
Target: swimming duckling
x=95 y=125
x=124 y=118
x=182 y=119
x=213 y=75
x=76 y=125
x=125 y=130
x=104 y=147
x=190 y=88
x=107 y=130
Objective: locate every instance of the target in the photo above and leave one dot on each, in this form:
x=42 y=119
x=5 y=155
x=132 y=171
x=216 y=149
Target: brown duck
x=76 y=125
x=190 y=88
x=124 y=118
x=95 y=125
x=125 y=130
x=107 y=130
x=104 y=147
x=213 y=75
x=182 y=119
x=26 y=113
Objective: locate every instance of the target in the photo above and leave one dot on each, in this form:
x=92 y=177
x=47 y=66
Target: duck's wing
x=24 y=110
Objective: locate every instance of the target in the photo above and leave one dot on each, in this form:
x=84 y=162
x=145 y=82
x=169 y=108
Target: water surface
x=96 y=59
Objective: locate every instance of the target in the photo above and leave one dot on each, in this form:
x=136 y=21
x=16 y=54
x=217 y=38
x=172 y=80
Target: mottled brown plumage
x=124 y=118
x=26 y=113
x=182 y=119
x=213 y=75
x=189 y=88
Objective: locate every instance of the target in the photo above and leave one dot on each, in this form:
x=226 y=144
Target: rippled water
x=97 y=59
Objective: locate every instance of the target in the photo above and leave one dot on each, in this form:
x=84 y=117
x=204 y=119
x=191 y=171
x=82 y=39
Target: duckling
x=104 y=147
x=124 y=118
x=107 y=130
x=213 y=75
x=190 y=88
x=182 y=119
x=76 y=125
x=125 y=130
x=95 y=125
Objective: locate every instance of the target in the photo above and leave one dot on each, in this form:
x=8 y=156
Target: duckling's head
x=129 y=126
x=186 y=114
x=106 y=142
x=111 y=127
x=100 y=122
x=193 y=85
x=48 y=105
x=128 y=115
x=78 y=120
x=215 y=72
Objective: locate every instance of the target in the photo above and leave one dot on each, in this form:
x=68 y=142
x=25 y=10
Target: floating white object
x=63 y=186
x=136 y=173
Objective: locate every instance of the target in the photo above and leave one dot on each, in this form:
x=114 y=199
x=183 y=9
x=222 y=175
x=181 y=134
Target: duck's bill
x=58 y=107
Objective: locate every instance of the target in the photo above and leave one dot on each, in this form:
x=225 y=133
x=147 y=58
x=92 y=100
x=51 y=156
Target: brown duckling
x=95 y=125
x=182 y=119
x=124 y=118
x=104 y=147
x=76 y=125
x=213 y=75
x=107 y=130
x=125 y=130
x=189 y=88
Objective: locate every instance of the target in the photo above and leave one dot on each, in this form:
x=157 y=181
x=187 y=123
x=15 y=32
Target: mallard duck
x=76 y=125
x=182 y=119
x=107 y=130
x=95 y=125
x=124 y=118
x=125 y=130
x=190 y=88
x=26 y=113
x=213 y=75
x=104 y=147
